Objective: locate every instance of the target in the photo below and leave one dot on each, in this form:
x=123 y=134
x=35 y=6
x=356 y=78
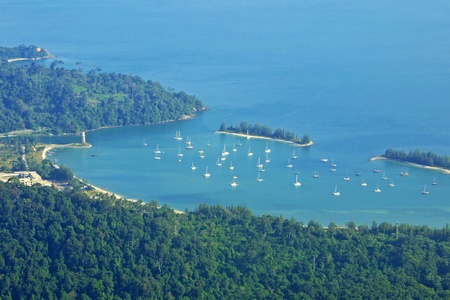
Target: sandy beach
x=265 y=138
x=444 y=171
x=52 y=146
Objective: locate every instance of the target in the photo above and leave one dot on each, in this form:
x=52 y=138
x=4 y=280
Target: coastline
x=444 y=170
x=265 y=138
x=49 y=147
x=33 y=58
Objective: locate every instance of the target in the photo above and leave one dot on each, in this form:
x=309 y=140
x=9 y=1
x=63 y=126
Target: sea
x=358 y=76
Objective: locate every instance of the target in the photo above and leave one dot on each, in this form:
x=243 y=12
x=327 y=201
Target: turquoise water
x=358 y=77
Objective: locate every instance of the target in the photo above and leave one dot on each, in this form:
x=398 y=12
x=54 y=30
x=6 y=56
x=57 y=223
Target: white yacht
x=336 y=193
x=425 y=192
x=250 y=153
x=296 y=183
x=294 y=156
x=193 y=167
x=377 y=190
x=267 y=148
x=206 y=173
x=259 y=165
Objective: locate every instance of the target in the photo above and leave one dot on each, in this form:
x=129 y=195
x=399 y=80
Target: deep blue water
x=359 y=77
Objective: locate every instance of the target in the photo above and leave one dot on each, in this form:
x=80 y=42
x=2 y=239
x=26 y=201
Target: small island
x=418 y=158
x=262 y=131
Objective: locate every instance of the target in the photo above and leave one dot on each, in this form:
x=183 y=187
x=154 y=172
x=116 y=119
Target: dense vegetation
x=22 y=51
x=427 y=158
x=34 y=97
x=263 y=130
x=64 y=245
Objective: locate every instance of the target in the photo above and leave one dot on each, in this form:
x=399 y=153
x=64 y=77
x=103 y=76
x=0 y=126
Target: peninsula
x=418 y=158
x=264 y=132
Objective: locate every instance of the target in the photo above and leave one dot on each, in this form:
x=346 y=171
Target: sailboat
x=206 y=173
x=384 y=176
x=294 y=156
x=333 y=165
x=239 y=144
x=250 y=153
x=231 y=166
x=248 y=137
x=157 y=151
x=224 y=152
x=234 y=148
x=346 y=176
x=219 y=163
x=189 y=145
x=145 y=144
x=208 y=144
x=259 y=165
x=267 y=148
x=233 y=182
x=425 y=192
x=323 y=159
x=259 y=177
x=267 y=158
x=377 y=190
x=402 y=173
x=336 y=193
x=357 y=173
x=434 y=181
x=178 y=136
x=391 y=183
x=157 y=157
x=179 y=152
x=296 y=183
x=316 y=175
x=363 y=183
x=193 y=167
x=289 y=165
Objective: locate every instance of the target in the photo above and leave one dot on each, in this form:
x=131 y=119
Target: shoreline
x=444 y=170
x=32 y=58
x=184 y=118
x=48 y=147
x=265 y=138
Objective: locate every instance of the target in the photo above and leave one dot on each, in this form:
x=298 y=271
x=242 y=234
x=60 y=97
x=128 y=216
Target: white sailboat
x=179 y=152
x=333 y=165
x=234 y=148
x=425 y=192
x=231 y=165
x=218 y=163
x=363 y=183
x=178 y=136
x=224 y=152
x=289 y=165
x=336 y=193
x=157 y=157
x=384 y=176
x=157 y=151
x=267 y=158
x=294 y=156
x=189 y=145
x=377 y=190
x=206 y=173
x=248 y=137
x=296 y=183
x=208 y=144
x=434 y=181
x=144 y=143
x=316 y=175
x=250 y=153
x=233 y=182
x=259 y=165
x=402 y=173
x=391 y=183
x=323 y=159
x=267 y=148
x=239 y=144
x=259 y=177
x=346 y=177
x=193 y=167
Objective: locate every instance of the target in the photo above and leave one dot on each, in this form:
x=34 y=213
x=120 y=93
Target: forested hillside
x=66 y=101
x=22 y=51
x=64 y=245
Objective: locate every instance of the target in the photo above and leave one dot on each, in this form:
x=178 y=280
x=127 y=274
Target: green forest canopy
x=263 y=130
x=64 y=245
x=427 y=158
x=22 y=51
x=33 y=96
